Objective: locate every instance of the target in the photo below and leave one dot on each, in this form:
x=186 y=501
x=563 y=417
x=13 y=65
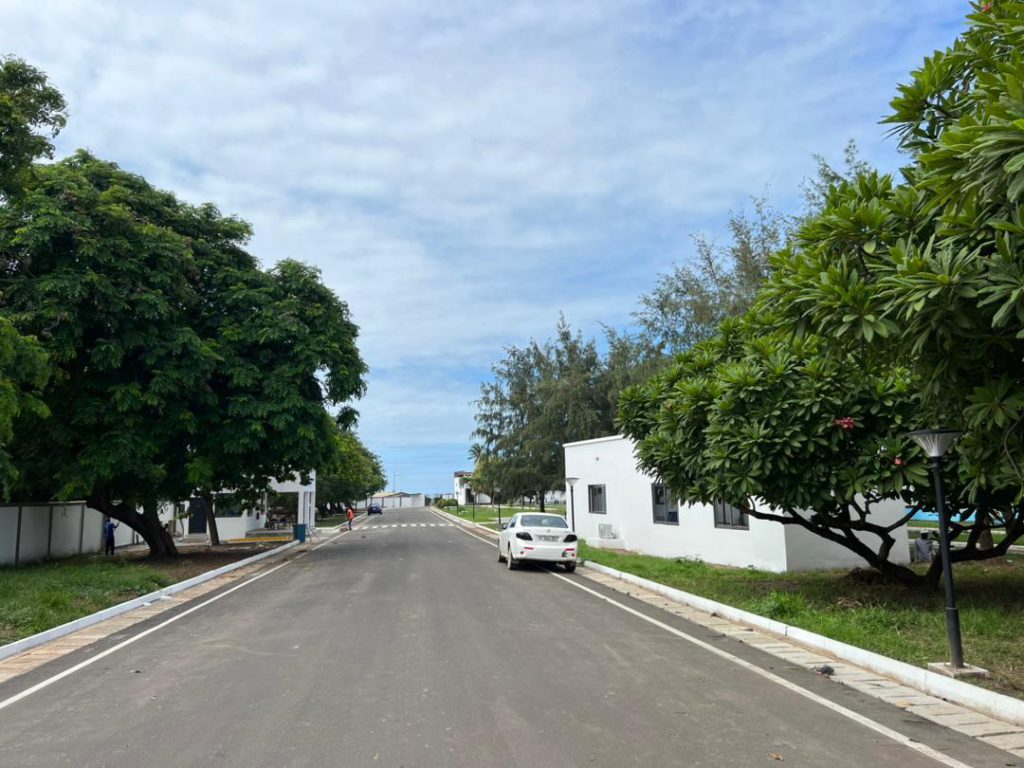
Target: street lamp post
x=572 y=502
x=935 y=443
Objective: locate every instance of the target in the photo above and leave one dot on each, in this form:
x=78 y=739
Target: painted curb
x=26 y=643
x=460 y=521
x=997 y=705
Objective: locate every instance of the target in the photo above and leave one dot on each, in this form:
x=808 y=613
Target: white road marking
x=839 y=709
x=125 y=643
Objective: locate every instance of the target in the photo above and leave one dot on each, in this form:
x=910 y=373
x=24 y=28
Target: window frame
x=730 y=517
x=590 y=499
x=671 y=505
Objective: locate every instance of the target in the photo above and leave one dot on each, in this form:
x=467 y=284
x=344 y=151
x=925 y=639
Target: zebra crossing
x=407 y=525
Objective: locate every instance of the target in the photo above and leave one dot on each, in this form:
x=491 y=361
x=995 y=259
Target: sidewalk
x=996 y=732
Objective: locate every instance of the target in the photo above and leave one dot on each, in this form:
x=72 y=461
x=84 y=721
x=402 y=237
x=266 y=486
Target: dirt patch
x=192 y=561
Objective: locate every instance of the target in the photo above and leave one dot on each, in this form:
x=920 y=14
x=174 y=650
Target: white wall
x=806 y=551
x=48 y=530
x=767 y=545
x=462 y=493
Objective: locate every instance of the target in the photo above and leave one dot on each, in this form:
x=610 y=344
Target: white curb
x=20 y=646
x=460 y=521
x=997 y=705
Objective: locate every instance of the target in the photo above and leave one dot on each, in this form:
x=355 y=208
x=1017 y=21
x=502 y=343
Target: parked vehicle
x=374 y=509
x=538 y=538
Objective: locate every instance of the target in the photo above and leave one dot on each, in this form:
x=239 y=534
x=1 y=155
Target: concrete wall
x=48 y=531
x=767 y=545
x=389 y=501
x=805 y=551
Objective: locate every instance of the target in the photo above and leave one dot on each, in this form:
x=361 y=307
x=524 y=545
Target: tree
x=356 y=474
x=786 y=433
x=31 y=113
x=687 y=304
x=285 y=351
x=24 y=371
x=541 y=397
x=898 y=305
x=27 y=104
x=929 y=272
x=179 y=366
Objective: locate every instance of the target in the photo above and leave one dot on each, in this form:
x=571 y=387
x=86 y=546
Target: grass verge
x=862 y=609
x=34 y=598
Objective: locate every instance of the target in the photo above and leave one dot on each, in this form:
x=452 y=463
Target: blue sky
x=464 y=172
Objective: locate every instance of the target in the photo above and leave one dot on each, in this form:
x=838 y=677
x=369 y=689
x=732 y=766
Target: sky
x=463 y=172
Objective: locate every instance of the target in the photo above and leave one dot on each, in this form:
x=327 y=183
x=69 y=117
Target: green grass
x=331 y=522
x=997 y=537
x=37 y=597
x=861 y=609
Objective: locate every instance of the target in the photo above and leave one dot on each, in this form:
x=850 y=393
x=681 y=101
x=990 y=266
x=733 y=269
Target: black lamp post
x=572 y=502
x=935 y=443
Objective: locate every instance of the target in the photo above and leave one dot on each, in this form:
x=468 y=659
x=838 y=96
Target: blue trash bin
x=299 y=532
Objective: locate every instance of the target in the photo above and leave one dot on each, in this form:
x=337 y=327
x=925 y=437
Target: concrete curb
x=20 y=646
x=460 y=521
x=997 y=705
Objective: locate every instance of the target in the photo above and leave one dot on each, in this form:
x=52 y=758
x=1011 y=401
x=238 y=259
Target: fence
x=33 y=532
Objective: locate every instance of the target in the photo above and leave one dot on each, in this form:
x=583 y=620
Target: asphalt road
x=410 y=646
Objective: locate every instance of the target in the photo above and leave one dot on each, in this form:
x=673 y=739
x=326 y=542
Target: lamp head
x=571 y=481
x=934 y=442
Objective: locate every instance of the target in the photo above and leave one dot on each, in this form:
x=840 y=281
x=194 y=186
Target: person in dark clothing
x=108 y=536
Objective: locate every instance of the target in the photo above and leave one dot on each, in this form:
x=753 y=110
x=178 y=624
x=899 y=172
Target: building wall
x=805 y=551
x=764 y=544
x=48 y=531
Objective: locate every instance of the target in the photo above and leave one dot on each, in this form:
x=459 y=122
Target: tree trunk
x=983 y=521
x=540 y=501
x=147 y=525
x=211 y=520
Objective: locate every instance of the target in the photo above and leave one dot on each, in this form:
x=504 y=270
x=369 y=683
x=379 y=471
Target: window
x=544 y=521
x=666 y=508
x=595 y=494
x=728 y=516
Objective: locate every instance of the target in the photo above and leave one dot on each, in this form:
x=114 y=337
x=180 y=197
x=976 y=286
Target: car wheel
x=512 y=564
x=501 y=557
x=570 y=566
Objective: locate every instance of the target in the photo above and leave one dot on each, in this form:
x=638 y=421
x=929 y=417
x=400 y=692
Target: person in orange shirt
x=351 y=516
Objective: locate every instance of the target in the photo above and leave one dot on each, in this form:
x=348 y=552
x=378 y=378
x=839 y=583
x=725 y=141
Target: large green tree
x=928 y=271
x=542 y=395
x=907 y=297
x=179 y=366
x=31 y=113
x=356 y=473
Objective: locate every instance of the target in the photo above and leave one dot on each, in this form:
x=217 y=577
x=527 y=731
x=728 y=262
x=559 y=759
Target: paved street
x=404 y=643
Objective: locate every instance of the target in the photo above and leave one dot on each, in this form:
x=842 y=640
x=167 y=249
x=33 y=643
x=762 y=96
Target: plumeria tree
x=899 y=305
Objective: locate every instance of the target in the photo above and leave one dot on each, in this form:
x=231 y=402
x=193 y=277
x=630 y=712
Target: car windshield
x=543 y=521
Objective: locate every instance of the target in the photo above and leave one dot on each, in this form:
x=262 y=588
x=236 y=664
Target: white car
x=537 y=537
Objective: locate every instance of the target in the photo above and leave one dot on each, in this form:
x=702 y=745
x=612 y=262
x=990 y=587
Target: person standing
x=351 y=514
x=923 y=549
x=108 y=536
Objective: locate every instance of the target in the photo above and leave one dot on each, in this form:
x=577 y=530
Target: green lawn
x=997 y=537
x=859 y=608
x=37 y=597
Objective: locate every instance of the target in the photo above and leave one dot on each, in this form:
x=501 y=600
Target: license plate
x=548 y=538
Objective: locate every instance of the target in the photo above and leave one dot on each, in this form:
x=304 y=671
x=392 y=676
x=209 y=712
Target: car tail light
x=570 y=537
x=524 y=536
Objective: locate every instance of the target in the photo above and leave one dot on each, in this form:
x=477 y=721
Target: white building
x=394 y=500
x=464 y=492
x=615 y=505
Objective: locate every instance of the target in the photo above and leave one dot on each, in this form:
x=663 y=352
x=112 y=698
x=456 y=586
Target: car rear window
x=543 y=521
